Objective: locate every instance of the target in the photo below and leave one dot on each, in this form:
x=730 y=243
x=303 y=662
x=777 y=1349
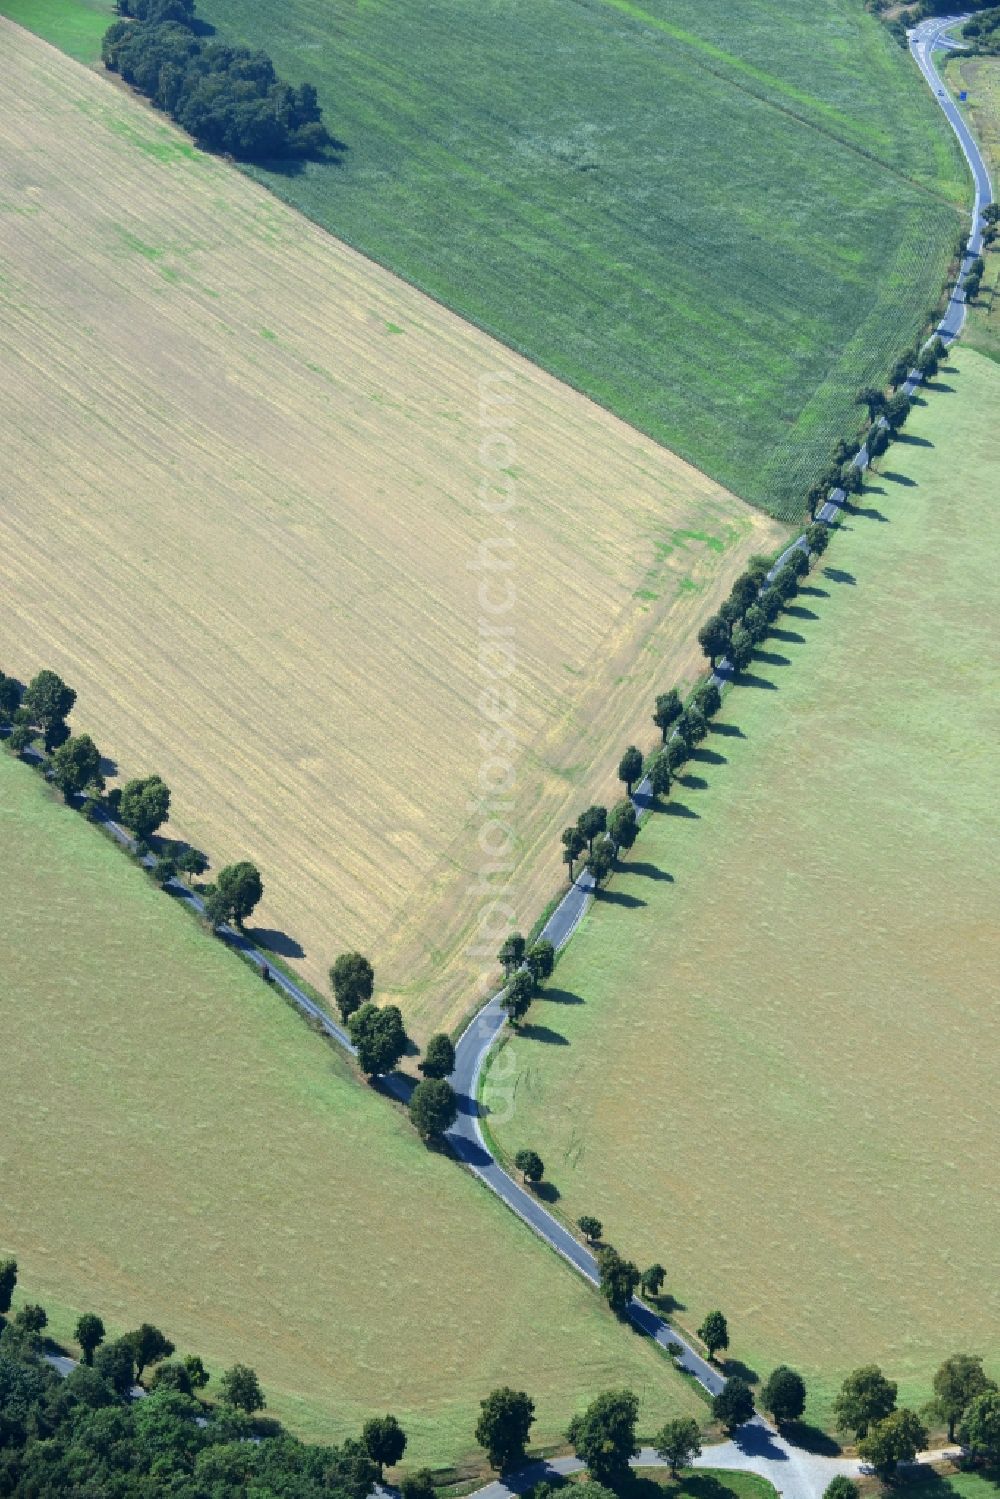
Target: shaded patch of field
x=178 y=1147
x=263 y=504
x=780 y=1079
x=717 y=220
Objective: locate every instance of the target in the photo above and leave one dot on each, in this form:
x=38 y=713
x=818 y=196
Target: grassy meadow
x=769 y=1060
x=717 y=221
x=179 y=1147
x=264 y=502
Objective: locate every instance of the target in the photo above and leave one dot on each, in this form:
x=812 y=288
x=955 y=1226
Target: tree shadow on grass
x=810 y=590
x=678 y=809
x=619 y=898
x=271 y=940
x=799 y=611
x=562 y=996
x=109 y=767
x=735 y=1368
x=913 y=441
x=771 y=658
x=732 y=730
x=533 y=1032
x=692 y=782
x=864 y=512
x=666 y=1304
x=904 y=479
x=546 y=1191
x=787 y=637
x=839 y=575
x=708 y=756
x=811 y=1439
x=749 y=679
x=650 y=871
x=939 y=387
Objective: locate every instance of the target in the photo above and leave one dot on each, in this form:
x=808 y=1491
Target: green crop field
x=178 y=1146
x=769 y=1060
x=718 y=221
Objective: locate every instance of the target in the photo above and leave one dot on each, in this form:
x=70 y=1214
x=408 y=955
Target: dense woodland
x=983 y=32
x=228 y=98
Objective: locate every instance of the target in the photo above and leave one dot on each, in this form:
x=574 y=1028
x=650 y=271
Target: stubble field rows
x=244 y=516
x=783 y=1020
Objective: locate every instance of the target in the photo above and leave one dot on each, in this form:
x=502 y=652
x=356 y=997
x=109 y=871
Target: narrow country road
x=757 y=1447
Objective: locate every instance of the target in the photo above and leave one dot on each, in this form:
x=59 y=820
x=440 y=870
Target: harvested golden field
x=263 y=504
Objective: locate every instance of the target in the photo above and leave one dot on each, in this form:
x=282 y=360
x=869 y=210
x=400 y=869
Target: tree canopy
x=379 y=1037
x=502 y=1429
x=433 y=1108
x=865 y=1396
x=784 y=1395
x=439 y=1057
x=896 y=1438
x=958 y=1382
x=144 y=805
x=678 y=1443
x=618 y=1279
x=603 y=1437
x=352 y=979
x=733 y=1405
x=714 y=1333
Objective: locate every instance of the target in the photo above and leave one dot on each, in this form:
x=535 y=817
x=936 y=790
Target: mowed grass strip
x=717 y=220
x=779 y=1072
x=243 y=515
x=178 y=1147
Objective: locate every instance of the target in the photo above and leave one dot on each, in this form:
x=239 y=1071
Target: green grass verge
x=717 y=221
x=178 y=1148
x=769 y=1054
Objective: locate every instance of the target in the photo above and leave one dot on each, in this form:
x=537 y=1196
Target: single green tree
x=897 y=410
x=714 y=1333
x=784 y=1395
x=758 y=567
x=695 y=722
x=144 y=806
x=755 y=624
x=511 y=955
x=865 y=1396
x=956 y=1384
x=601 y=861
x=678 y=1443
x=379 y=1038
x=591 y=823
x=818 y=537
x=877 y=442
x=217 y=911
x=171 y=1375
x=240 y=1388
x=772 y=603
x=31 y=1318
x=192 y=862
x=706 y=696
x=743 y=592
x=385 y=1441
x=666 y=710
x=980 y=1429
x=786 y=584
x=242 y=887
x=872 y=399
x=900 y=372
x=630 y=767
x=652 y=1280
x=676 y=752
x=10 y=698
x=623 y=824
x=816 y=498
x=197 y=1373
x=729 y=613
x=529 y=1163
x=433 y=1108
x=733 y=1405
x=518 y=994
x=76 y=766
x=115 y=1363
x=352 y=979
x=574 y=843
x=148 y=1346
x=603 y=1437
x=895 y=1439
x=618 y=1279
x=541 y=959
x=590 y=1227
x=741 y=649
x=8 y=1280
x=659 y=774
x=506 y=1417
x=439 y=1057
x=89 y=1333
x=48 y=702
x=713 y=637
x=841 y=1487
x=165 y=869
x=798 y=561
